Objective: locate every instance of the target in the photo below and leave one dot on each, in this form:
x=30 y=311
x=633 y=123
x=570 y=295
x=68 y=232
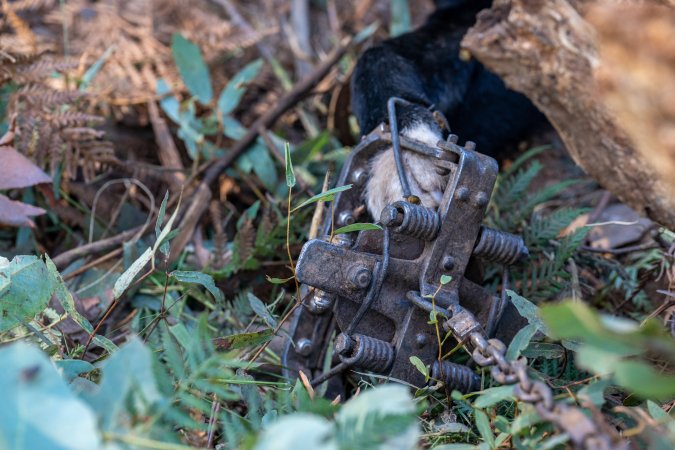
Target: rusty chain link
x=582 y=430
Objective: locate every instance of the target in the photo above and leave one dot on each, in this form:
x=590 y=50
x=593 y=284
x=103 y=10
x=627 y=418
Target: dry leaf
x=16 y=214
x=621 y=226
x=17 y=171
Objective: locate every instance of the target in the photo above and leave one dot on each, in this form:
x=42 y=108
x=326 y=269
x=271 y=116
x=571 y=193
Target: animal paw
x=383 y=186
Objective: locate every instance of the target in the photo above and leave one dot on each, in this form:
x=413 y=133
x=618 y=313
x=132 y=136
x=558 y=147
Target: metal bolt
x=391 y=216
x=343 y=344
x=480 y=200
x=341 y=240
x=448 y=263
x=452 y=138
x=360 y=276
x=462 y=194
x=359 y=177
x=346 y=218
x=321 y=302
x=304 y=347
x=421 y=340
x=470 y=145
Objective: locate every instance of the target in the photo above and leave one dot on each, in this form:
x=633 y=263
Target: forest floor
x=147 y=245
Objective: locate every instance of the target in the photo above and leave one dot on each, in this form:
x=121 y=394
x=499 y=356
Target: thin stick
x=93 y=263
x=65 y=258
x=266 y=120
x=320 y=207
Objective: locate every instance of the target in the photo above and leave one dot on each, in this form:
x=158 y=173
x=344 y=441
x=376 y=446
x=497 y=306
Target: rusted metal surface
x=356 y=287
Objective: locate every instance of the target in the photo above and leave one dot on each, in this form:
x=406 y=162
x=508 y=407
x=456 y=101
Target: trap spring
x=367 y=301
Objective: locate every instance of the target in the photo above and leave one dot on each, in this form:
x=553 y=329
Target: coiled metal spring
x=413 y=220
x=365 y=352
x=500 y=246
x=455 y=376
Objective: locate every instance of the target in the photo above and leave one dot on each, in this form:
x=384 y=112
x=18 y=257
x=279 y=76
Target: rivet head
x=360 y=276
x=462 y=194
x=304 y=347
x=421 y=340
x=346 y=218
x=480 y=200
x=359 y=177
x=448 y=263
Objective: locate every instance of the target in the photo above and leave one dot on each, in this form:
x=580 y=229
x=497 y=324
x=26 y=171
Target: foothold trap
x=370 y=298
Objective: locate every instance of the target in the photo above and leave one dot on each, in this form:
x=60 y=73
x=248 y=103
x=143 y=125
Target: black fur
x=424 y=67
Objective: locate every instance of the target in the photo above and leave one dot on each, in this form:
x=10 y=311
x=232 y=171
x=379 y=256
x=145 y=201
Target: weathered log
x=546 y=50
x=636 y=76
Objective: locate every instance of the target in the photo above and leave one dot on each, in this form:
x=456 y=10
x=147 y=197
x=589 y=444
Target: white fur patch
x=421 y=131
x=383 y=186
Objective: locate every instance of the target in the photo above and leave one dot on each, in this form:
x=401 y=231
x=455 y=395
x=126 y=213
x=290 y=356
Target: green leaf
x=164 y=234
x=455 y=447
x=658 y=413
x=493 y=396
x=366 y=32
x=543 y=350
x=525 y=420
x=644 y=380
x=400 y=18
x=65 y=298
x=380 y=418
x=261 y=310
x=129 y=275
x=553 y=442
x=71 y=368
x=126 y=375
x=95 y=68
x=164 y=248
x=571 y=320
x=192 y=68
x=445 y=279
x=298 y=431
x=168 y=103
x=290 y=176
x=26 y=292
x=527 y=309
x=327 y=196
x=357 y=227
x=419 y=365
x=231 y=95
x=483 y=425
x=39 y=411
x=521 y=340
x=263 y=165
x=199 y=278
x=243 y=340
x=278 y=280
x=594 y=392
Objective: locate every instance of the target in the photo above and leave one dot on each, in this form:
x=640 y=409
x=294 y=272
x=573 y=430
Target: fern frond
x=42 y=96
x=70 y=119
x=542 y=281
x=543 y=229
x=511 y=189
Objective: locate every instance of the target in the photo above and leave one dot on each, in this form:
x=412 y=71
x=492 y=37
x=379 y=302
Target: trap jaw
x=377 y=292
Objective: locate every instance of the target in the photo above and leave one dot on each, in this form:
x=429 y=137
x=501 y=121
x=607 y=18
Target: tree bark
x=547 y=51
x=636 y=77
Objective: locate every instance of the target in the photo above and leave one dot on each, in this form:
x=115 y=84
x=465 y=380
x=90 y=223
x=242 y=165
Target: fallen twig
x=65 y=258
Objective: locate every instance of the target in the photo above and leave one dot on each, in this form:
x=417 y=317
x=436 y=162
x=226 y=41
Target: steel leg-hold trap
x=367 y=297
